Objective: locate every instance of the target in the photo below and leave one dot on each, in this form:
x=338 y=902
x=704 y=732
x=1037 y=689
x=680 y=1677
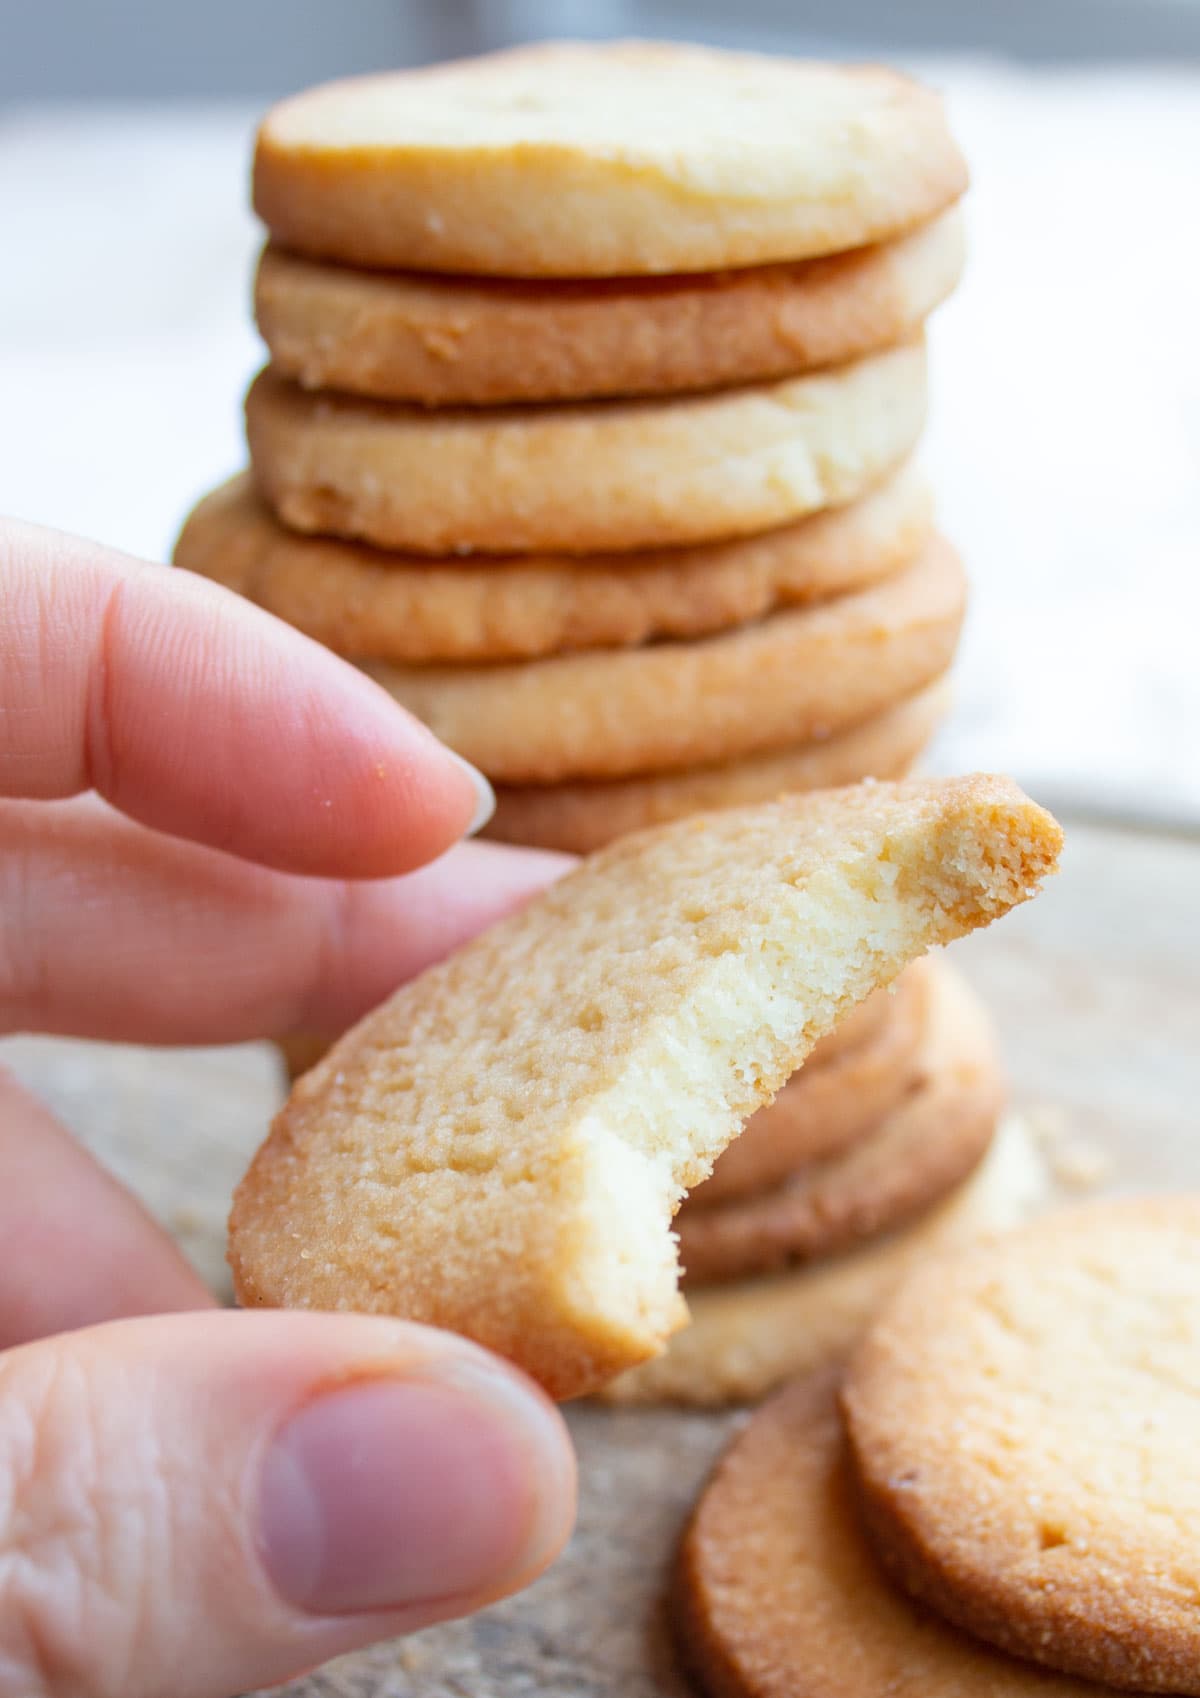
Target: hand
x=195 y=1501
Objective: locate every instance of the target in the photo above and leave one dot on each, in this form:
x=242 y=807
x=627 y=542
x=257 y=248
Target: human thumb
x=205 y=1503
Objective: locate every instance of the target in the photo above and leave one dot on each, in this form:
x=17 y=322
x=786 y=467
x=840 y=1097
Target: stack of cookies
x=596 y=374
x=884 y=1148
x=596 y=377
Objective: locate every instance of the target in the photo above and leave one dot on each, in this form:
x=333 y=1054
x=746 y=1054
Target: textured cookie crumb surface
x=778 y=1594
x=500 y=1147
x=1023 y=1422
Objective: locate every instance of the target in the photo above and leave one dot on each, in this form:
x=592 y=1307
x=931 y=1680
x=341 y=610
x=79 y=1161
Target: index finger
x=200 y=715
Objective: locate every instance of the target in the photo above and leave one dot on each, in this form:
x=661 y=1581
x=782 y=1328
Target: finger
x=200 y=715
x=78 y=1248
x=110 y=931
x=209 y=1503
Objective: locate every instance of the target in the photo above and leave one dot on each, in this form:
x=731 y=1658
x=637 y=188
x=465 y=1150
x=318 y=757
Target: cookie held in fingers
x=302 y=1050
x=460 y=341
x=588 y=477
x=921 y=1150
x=793 y=677
x=830 y=1104
x=500 y=1147
x=581 y=817
x=1023 y=1427
x=599 y=160
x=749 y=1336
x=370 y=604
x=777 y=1593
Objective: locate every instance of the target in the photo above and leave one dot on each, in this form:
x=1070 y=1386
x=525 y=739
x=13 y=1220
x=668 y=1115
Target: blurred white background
x=1065 y=433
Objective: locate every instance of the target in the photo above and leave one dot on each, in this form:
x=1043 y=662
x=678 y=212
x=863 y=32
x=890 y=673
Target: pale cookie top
x=777 y=1594
x=622 y=158
x=499 y=1148
x=1024 y=1423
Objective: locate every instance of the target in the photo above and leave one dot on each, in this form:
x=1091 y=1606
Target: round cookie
x=825 y=1108
x=499 y=1148
x=370 y=604
x=454 y=341
x=920 y=1152
x=579 y=818
x=585 y=477
x=794 y=676
x=777 y=1593
x=748 y=1337
x=1024 y=1434
x=614 y=159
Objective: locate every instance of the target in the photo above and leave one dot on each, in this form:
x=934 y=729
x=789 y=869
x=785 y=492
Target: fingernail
x=485 y=796
x=394 y=1492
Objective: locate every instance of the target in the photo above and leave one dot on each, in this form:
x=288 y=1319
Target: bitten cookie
x=1023 y=1424
x=454 y=341
x=374 y=605
x=792 y=677
x=748 y=1337
x=830 y=1104
x=581 y=817
x=778 y=1595
x=499 y=1148
x=588 y=477
x=599 y=160
x=924 y=1148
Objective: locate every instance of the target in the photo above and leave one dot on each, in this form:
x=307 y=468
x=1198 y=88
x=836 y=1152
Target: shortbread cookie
x=364 y=602
x=921 y=1151
x=748 y=1337
x=792 y=677
x=578 y=818
x=778 y=1595
x=453 y=341
x=304 y=1049
x=1023 y=1427
x=829 y=1105
x=600 y=160
x=587 y=477
x=499 y=1148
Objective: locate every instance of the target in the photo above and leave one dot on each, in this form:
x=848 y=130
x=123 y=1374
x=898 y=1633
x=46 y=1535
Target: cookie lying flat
x=1024 y=1436
x=578 y=818
x=921 y=1151
x=371 y=604
x=453 y=341
x=748 y=1337
x=829 y=1105
x=583 y=160
x=499 y=1148
x=792 y=677
x=777 y=1593
x=588 y=477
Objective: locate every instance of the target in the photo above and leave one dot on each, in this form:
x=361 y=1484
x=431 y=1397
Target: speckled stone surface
x=1097 y=994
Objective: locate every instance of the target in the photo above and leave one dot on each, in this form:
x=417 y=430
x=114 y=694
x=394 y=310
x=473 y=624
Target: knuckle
x=79 y=1534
